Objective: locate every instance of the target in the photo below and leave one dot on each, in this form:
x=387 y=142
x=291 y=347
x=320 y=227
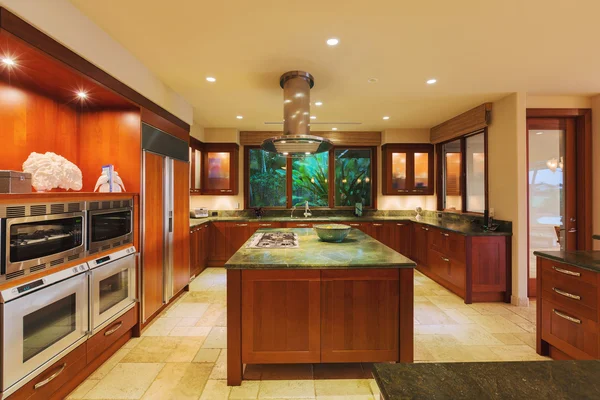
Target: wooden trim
x=439 y=186
x=159 y=122
x=557 y=112
x=21 y=29
x=339 y=138
x=406 y=316
x=470 y=121
x=234 y=327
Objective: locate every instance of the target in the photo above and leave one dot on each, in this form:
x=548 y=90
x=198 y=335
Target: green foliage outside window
x=352 y=177
x=267 y=179
x=310 y=180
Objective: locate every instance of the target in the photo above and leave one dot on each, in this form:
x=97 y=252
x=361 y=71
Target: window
x=463 y=158
x=340 y=178
x=267 y=179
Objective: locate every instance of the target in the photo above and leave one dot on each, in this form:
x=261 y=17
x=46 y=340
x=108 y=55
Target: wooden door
x=384 y=232
x=281 y=316
x=181 y=225
x=552 y=188
x=153 y=235
x=218 y=247
x=238 y=233
x=220 y=168
x=421 y=243
x=359 y=315
x=402 y=238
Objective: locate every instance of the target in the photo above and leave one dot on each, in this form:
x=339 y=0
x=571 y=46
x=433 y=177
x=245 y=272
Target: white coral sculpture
x=49 y=171
x=104 y=186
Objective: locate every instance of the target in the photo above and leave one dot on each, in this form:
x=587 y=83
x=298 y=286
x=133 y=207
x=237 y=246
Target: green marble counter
x=490 y=380
x=586 y=259
x=358 y=250
x=457 y=227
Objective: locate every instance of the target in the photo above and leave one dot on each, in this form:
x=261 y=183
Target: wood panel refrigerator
x=165 y=222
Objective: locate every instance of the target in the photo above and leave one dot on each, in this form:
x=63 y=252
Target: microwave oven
x=109 y=224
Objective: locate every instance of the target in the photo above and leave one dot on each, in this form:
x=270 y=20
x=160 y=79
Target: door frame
x=583 y=131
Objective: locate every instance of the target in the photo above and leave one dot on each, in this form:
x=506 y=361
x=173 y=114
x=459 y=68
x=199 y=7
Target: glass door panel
x=421 y=170
x=197 y=164
x=219 y=173
x=113 y=290
x=399 y=172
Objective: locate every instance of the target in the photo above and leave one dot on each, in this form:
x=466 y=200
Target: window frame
x=441 y=172
x=331 y=179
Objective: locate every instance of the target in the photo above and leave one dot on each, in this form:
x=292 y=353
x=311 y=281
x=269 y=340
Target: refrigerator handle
x=170 y=221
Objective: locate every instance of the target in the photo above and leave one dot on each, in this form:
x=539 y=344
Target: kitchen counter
x=466 y=229
x=358 y=250
x=586 y=259
x=494 y=380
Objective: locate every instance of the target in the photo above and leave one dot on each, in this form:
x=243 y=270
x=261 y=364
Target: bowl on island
x=332 y=232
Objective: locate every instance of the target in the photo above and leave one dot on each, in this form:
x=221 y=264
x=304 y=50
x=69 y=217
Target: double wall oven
x=110 y=224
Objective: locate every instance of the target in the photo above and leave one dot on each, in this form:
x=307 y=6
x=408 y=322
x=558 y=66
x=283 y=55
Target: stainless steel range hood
x=296 y=140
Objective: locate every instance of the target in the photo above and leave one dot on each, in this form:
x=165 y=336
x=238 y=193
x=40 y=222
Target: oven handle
x=113 y=330
x=50 y=378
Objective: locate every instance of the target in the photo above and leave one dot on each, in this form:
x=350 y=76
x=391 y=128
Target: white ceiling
x=477 y=50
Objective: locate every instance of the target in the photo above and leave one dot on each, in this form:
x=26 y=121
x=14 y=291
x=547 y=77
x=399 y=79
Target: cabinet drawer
x=569 y=331
x=109 y=334
x=437 y=240
x=579 y=296
x=568 y=272
x=54 y=377
x=455 y=246
x=447 y=268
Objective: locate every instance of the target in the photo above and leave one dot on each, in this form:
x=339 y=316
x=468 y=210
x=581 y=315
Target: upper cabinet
x=220 y=168
x=408 y=169
x=195 y=166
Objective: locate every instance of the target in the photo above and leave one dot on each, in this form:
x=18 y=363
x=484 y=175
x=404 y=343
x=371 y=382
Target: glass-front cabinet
x=220 y=169
x=407 y=169
x=195 y=166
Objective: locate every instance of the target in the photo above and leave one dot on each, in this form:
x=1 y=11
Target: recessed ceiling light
x=431 y=81
x=239 y=117
x=539 y=133
x=313 y=117
x=285 y=154
x=307 y=153
x=319 y=103
x=386 y=117
x=211 y=79
x=81 y=94
x=283 y=142
x=8 y=61
x=373 y=80
x=334 y=129
x=333 y=41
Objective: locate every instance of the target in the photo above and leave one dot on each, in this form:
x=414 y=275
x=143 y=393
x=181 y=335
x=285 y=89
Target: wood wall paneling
x=110 y=137
x=467 y=122
x=165 y=125
x=339 y=138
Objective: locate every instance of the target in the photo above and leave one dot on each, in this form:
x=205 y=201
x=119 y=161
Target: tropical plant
x=310 y=180
x=352 y=177
x=267 y=181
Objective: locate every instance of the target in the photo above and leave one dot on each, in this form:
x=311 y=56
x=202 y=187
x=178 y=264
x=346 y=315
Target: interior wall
x=66 y=24
x=507 y=174
x=558 y=101
x=197 y=131
x=402 y=202
x=595 y=106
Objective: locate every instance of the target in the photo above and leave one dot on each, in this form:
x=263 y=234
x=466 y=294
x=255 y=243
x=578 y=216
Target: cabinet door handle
x=265 y=224
x=223 y=190
x=445 y=259
x=302 y=225
x=444 y=234
x=566 y=271
x=51 y=377
x=354 y=224
x=566 y=294
x=377 y=224
x=114 y=329
x=567 y=317
x=241 y=224
x=425 y=229
x=402 y=190
x=400 y=224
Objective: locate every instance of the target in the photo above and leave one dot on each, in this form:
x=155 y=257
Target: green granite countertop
x=358 y=250
x=457 y=227
x=490 y=380
x=586 y=259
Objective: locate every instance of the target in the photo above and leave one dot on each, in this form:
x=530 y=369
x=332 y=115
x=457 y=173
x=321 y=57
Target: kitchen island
x=318 y=303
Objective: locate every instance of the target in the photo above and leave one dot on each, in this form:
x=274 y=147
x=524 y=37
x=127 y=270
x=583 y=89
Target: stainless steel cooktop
x=274 y=240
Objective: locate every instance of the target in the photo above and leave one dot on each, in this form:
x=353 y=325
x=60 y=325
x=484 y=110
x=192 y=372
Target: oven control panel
x=31 y=286
x=111 y=257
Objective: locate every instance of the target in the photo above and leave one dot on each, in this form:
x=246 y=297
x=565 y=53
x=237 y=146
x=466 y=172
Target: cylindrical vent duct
x=296 y=102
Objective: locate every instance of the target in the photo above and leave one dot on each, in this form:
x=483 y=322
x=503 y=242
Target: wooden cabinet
x=403 y=238
x=281 y=316
x=218 y=247
x=181 y=226
x=198 y=247
x=420 y=238
x=361 y=226
x=195 y=166
x=568 y=312
x=238 y=233
x=104 y=338
x=359 y=315
x=407 y=169
x=220 y=168
x=300 y=224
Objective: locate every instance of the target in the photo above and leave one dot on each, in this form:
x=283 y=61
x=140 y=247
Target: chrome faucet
x=307 y=212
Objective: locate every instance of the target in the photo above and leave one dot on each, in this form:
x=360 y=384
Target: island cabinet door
x=280 y=316
x=359 y=315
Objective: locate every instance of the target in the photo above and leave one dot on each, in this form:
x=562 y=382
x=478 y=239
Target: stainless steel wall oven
x=37 y=236
x=110 y=224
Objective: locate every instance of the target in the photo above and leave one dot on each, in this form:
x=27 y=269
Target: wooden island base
x=277 y=316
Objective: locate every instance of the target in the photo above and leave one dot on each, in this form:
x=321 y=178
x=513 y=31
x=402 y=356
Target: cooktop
x=274 y=240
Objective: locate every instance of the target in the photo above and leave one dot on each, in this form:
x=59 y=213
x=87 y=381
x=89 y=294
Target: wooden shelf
x=61 y=196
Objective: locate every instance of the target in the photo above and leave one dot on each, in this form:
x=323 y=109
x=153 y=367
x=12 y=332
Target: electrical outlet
x=237 y=206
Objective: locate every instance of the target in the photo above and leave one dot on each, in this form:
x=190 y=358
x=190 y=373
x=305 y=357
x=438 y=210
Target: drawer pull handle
x=445 y=234
x=425 y=229
x=566 y=271
x=566 y=294
x=567 y=317
x=241 y=225
x=377 y=224
x=354 y=224
x=446 y=259
x=301 y=224
x=51 y=377
x=265 y=224
x=113 y=330
x=400 y=224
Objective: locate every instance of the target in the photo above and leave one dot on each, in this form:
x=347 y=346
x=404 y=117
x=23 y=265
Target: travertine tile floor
x=183 y=354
